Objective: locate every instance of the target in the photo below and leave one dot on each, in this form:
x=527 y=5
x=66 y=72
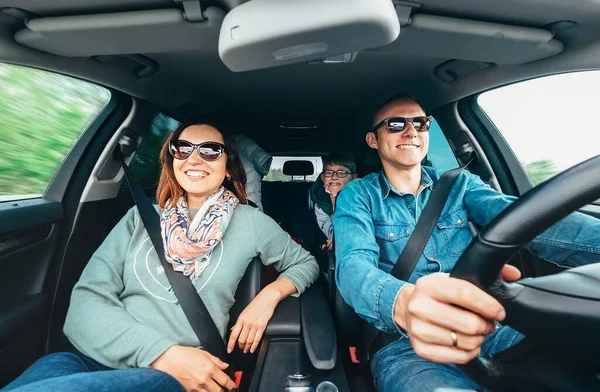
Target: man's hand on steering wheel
x=447 y=319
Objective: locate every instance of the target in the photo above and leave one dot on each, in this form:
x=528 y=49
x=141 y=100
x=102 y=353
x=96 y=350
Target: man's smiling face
x=403 y=149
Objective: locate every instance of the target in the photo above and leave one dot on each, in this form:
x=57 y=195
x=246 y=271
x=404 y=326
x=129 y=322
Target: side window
x=42 y=114
x=146 y=165
x=440 y=154
x=276 y=172
x=548 y=122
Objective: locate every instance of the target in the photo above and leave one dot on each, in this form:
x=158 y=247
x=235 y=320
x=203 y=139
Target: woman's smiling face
x=196 y=176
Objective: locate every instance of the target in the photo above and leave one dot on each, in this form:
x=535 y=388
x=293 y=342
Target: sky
x=552 y=118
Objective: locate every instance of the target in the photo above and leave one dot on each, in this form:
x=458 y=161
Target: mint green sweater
x=123 y=314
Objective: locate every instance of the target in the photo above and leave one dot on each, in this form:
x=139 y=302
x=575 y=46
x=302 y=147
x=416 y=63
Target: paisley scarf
x=189 y=245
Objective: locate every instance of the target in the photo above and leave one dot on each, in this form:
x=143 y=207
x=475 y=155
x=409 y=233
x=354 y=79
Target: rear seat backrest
x=280 y=198
x=287 y=202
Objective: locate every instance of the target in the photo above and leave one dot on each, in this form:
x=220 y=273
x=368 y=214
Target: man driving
x=436 y=321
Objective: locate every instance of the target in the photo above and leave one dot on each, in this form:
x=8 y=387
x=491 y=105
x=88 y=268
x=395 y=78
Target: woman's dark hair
x=169 y=188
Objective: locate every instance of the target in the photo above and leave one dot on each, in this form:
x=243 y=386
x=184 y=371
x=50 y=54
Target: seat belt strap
x=420 y=236
x=188 y=298
x=413 y=250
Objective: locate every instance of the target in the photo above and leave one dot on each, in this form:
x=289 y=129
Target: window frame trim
x=511 y=175
x=60 y=181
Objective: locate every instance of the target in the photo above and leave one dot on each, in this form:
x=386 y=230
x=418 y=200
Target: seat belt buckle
x=237 y=378
x=353 y=356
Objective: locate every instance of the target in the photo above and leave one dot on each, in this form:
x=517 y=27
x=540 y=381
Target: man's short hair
x=339 y=158
x=393 y=99
x=404 y=97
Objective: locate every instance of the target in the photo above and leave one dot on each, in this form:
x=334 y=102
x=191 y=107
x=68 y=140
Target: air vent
x=297 y=127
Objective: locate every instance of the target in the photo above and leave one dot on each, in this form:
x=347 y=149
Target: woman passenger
x=125 y=320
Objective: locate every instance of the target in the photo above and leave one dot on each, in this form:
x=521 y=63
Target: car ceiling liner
x=267 y=33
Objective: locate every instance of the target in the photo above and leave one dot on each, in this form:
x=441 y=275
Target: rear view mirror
x=269 y=33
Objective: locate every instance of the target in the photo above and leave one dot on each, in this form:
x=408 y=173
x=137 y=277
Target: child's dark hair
x=340 y=158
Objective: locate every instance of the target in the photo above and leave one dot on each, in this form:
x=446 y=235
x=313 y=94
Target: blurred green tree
x=42 y=114
x=277 y=175
x=540 y=171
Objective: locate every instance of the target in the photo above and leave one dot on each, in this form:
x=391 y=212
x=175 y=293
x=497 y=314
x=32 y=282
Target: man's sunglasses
x=339 y=173
x=208 y=151
x=399 y=124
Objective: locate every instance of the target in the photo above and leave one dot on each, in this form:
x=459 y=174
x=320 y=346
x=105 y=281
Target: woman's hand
x=447 y=319
x=194 y=369
x=250 y=326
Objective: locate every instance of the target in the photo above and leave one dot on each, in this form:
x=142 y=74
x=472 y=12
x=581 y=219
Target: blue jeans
x=397 y=368
x=73 y=373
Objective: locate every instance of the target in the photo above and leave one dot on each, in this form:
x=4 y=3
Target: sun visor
x=269 y=33
x=150 y=31
x=461 y=39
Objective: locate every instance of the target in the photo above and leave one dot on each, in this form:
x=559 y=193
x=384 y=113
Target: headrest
x=371 y=163
x=298 y=168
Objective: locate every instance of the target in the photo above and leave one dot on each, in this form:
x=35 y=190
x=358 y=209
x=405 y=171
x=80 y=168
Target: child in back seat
x=339 y=169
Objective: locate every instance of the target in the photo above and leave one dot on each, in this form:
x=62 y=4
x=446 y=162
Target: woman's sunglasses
x=208 y=151
x=399 y=124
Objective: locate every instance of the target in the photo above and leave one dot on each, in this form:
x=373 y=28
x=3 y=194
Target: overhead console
x=270 y=33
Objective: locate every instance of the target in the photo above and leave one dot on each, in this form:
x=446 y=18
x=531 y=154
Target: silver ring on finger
x=454 y=338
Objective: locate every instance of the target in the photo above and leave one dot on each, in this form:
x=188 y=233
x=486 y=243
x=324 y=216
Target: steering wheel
x=558 y=314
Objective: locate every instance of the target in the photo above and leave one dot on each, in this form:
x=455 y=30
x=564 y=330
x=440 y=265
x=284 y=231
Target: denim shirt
x=373 y=222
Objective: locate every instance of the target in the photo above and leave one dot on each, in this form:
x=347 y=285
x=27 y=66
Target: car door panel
x=28 y=236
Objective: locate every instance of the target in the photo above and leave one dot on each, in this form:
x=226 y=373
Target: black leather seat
x=249 y=287
x=281 y=198
x=288 y=203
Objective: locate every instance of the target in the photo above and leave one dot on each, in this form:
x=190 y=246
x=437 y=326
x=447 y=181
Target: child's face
x=335 y=183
